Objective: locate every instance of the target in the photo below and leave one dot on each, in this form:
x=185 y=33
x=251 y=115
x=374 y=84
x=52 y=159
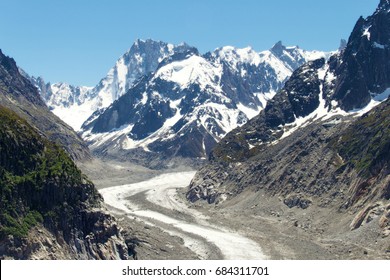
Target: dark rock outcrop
x=365 y=62
x=333 y=163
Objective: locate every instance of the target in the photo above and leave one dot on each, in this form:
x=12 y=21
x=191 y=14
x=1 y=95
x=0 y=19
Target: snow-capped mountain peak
x=142 y=58
x=170 y=99
x=76 y=104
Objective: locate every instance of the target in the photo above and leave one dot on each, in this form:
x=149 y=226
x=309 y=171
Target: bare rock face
x=49 y=209
x=365 y=62
x=332 y=163
x=106 y=243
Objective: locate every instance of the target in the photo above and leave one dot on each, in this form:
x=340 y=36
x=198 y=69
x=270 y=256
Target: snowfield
x=162 y=191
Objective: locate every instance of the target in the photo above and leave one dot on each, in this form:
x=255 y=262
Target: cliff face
x=364 y=66
x=18 y=94
x=49 y=209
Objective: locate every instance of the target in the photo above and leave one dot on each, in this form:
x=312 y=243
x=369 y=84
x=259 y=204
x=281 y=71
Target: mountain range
x=170 y=101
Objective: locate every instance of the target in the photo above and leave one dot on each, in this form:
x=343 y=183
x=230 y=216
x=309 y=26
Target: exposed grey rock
x=365 y=62
x=297 y=201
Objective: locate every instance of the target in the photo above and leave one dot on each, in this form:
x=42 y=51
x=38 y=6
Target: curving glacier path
x=162 y=191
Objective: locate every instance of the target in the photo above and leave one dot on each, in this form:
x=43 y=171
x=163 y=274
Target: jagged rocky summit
x=353 y=79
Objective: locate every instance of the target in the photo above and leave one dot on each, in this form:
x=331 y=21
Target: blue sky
x=78 y=41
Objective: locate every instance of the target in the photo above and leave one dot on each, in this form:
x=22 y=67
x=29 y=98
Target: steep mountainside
x=191 y=101
x=321 y=144
x=48 y=209
x=322 y=158
x=18 y=94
